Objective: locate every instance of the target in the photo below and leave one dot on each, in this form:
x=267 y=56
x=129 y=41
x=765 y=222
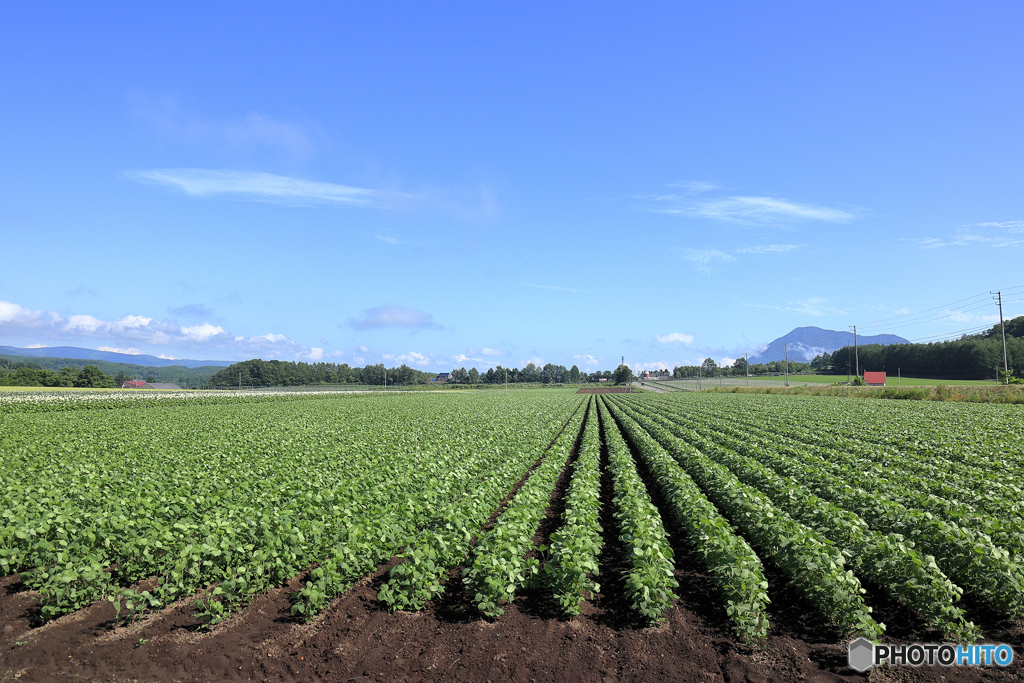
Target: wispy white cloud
x=1012 y=226
x=744 y=209
x=674 y=338
x=692 y=187
x=752 y=210
x=201 y=182
x=560 y=289
x=703 y=259
x=1000 y=235
x=768 y=249
x=387 y=315
x=816 y=306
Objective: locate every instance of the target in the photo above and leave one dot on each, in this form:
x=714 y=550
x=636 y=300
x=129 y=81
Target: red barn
x=874 y=379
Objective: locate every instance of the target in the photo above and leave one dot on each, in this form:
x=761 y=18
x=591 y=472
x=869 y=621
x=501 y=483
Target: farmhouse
x=874 y=379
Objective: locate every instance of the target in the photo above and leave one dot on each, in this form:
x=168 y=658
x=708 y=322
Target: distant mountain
x=807 y=342
x=110 y=356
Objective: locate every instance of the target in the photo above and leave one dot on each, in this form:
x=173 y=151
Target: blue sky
x=479 y=184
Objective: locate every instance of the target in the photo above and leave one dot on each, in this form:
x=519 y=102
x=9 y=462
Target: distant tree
x=531 y=373
x=373 y=374
x=92 y=377
x=68 y=377
x=821 y=362
x=622 y=374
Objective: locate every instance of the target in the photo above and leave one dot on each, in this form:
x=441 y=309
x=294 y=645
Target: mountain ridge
x=79 y=353
x=807 y=342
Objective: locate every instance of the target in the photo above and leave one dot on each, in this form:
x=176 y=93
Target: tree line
x=709 y=367
x=89 y=376
x=278 y=373
x=174 y=374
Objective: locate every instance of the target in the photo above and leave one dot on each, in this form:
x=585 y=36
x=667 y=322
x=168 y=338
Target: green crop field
x=219 y=498
x=802 y=380
x=891 y=380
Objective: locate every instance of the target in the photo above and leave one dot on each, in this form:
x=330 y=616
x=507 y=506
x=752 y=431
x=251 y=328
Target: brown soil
x=356 y=640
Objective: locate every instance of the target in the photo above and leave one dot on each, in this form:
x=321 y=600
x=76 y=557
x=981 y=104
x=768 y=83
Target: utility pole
x=856 y=350
x=785 y=346
x=1002 y=328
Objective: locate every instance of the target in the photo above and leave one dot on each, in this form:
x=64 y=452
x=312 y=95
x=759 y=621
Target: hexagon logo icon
x=862 y=654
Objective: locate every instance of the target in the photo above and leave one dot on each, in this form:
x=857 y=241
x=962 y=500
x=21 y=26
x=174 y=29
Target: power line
x=936 y=318
x=979 y=296
x=937 y=337
x=916 y=313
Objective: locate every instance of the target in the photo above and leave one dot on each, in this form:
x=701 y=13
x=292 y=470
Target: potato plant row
x=957 y=436
x=907 y=576
x=240 y=497
x=500 y=565
x=734 y=567
x=966 y=554
x=813 y=565
x=963 y=544
x=448 y=541
x=651 y=578
x=997 y=506
x=575 y=546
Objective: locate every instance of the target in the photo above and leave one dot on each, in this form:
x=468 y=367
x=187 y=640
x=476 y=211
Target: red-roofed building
x=874 y=379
